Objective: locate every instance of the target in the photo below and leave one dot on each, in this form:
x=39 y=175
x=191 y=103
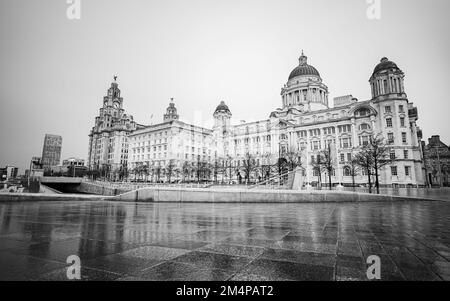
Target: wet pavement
x=146 y=241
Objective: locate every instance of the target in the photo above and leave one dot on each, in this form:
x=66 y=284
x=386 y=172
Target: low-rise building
x=436 y=155
x=8 y=173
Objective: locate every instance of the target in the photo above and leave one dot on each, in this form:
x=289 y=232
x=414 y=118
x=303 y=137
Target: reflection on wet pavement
x=148 y=241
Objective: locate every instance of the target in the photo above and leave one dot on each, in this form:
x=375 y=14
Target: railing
x=276 y=182
x=134 y=186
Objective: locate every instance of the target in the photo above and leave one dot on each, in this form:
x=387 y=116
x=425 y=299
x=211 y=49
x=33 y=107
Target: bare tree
x=228 y=167
x=354 y=169
x=293 y=158
x=157 y=172
x=216 y=168
x=374 y=156
x=248 y=165
x=170 y=169
x=186 y=170
x=325 y=162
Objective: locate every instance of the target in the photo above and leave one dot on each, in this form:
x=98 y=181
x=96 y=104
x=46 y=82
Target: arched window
x=316 y=172
x=363 y=112
x=347 y=171
x=364 y=127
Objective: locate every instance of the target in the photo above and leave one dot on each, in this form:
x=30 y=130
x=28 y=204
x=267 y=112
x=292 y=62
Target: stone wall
x=192 y=195
x=92 y=188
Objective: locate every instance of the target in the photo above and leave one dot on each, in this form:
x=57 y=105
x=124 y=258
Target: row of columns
x=304 y=95
x=391 y=84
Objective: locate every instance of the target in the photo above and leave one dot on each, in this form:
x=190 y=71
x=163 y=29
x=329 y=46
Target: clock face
x=116 y=105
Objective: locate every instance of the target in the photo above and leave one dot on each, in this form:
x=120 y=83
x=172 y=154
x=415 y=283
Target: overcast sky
x=54 y=71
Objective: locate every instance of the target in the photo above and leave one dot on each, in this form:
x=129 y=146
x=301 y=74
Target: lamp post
x=29 y=174
x=439 y=166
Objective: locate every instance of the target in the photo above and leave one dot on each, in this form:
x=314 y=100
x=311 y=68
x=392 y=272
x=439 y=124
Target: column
x=338 y=167
x=355 y=141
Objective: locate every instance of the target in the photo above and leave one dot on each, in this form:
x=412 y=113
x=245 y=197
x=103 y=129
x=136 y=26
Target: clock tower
x=108 y=140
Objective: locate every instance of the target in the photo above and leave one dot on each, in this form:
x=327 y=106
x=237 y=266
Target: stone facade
x=170 y=147
x=436 y=156
x=108 y=140
x=305 y=123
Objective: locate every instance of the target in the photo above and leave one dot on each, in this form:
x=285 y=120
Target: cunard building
x=171 y=150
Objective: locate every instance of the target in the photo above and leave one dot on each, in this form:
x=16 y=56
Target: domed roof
x=385 y=64
x=303 y=69
x=222 y=107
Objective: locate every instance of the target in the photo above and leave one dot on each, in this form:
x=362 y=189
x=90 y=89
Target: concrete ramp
x=198 y=195
x=60 y=180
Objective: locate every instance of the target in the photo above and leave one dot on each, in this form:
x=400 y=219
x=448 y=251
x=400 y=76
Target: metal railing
x=134 y=186
x=275 y=182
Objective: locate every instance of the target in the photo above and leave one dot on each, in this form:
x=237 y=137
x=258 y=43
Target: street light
x=439 y=166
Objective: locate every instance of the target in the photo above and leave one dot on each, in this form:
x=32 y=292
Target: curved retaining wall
x=92 y=188
x=37 y=197
x=194 y=195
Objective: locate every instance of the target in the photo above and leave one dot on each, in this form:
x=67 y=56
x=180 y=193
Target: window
x=315 y=145
x=402 y=121
x=404 y=137
x=313 y=159
x=387 y=109
x=364 y=140
x=328 y=131
x=347 y=171
x=345 y=143
x=392 y=155
x=316 y=172
x=342 y=157
x=363 y=113
x=364 y=127
x=390 y=138
x=345 y=128
x=301 y=134
x=401 y=109
x=389 y=122
x=406 y=153
x=349 y=157
x=407 y=171
x=394 y=170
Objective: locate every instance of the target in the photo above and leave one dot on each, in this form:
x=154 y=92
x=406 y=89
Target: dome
x=303 y=69
x=222 y=107
x=385 y=64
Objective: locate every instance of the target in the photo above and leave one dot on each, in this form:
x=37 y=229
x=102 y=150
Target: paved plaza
x=150 y=241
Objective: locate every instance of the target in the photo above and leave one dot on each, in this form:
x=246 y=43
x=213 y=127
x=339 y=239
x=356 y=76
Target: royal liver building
x=305 y=124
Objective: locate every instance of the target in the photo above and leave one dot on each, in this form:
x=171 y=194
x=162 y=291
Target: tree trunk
x=353 y=181
x=377 y=184
x=329 y=179
x=370 y=182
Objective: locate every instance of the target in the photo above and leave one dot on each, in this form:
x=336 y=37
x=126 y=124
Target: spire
x=303 y=59
x=171 y=112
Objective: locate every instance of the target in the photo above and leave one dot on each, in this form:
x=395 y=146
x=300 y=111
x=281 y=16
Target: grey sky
x=54 y=71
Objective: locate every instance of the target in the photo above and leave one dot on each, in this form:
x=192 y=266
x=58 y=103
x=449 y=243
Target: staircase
x=283 y=181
